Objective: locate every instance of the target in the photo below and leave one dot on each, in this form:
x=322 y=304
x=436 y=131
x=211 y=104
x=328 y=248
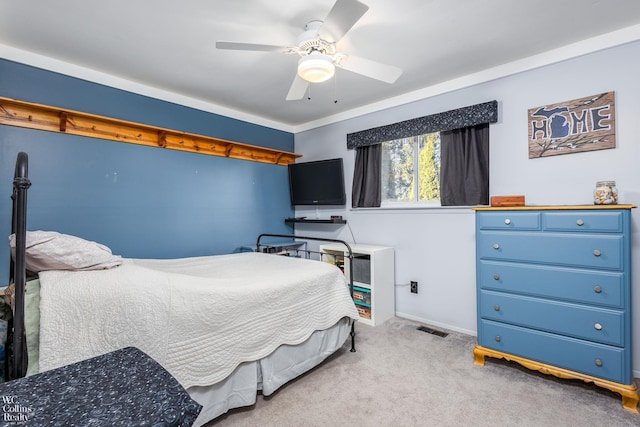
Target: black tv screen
x=317 y=183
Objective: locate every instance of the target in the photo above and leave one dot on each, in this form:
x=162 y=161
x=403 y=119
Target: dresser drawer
x=595 y=324
x=604 y=288
x=582 y=221
x=508 y=220
x=589 y=358
x=593 y=251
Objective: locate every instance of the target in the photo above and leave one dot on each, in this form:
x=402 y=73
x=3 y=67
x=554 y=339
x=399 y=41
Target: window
x=446 y=165
x=411 y=170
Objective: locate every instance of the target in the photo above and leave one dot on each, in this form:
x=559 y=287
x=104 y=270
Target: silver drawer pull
x=496 y=277
x=498 y=338
x=496 y=307
x=507 y=221
x=598 y=326
x=597 y=253
x=496 y=246
x=599 y=362
x=597 y=289
x=580 y=223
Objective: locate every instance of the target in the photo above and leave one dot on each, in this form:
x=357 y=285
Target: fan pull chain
x=309 y=92
x=335 y=88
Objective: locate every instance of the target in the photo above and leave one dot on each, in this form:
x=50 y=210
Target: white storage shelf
x=373 y=276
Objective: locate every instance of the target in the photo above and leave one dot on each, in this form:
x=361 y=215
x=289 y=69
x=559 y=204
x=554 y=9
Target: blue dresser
x=554 y=292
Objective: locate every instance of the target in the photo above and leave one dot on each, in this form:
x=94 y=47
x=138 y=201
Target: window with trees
x=410 y=172
x=446 y=164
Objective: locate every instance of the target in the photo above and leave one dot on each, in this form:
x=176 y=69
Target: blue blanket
x=122 y=388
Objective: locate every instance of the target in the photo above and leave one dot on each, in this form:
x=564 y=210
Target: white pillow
x=50 y=250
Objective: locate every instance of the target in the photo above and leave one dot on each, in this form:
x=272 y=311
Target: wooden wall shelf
x=53 y=119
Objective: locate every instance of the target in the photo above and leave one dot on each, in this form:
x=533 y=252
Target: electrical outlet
x=414 y=287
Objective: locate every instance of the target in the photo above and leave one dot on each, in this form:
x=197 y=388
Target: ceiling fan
x=316 y=47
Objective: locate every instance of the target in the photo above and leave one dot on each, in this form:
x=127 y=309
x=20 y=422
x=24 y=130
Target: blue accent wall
x=143 y=202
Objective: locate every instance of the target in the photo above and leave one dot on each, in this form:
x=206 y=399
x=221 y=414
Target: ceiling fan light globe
x=316 y=68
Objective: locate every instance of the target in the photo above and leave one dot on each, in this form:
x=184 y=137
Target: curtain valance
x=454 y=119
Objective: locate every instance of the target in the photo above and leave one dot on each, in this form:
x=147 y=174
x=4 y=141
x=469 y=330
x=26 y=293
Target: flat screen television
x=317 y=183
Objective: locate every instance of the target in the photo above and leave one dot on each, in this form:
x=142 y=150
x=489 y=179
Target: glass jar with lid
x=605 y=193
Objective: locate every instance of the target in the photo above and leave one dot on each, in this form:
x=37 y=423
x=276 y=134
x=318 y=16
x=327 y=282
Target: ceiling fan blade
x=372 y=69
x=343 y=15
x=254 y=47
x=297 y=89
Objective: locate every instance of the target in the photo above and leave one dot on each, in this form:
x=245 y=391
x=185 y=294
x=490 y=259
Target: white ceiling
x=167 y=48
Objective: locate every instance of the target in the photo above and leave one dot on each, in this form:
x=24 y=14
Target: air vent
x=432 y=331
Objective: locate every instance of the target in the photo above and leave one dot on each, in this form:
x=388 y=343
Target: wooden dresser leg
x=630 y=403
x=478 y=356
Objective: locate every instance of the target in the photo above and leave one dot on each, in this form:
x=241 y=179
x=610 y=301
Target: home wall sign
x=575 y=126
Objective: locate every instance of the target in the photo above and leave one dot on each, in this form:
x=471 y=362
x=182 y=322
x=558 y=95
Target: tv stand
x=314 y=221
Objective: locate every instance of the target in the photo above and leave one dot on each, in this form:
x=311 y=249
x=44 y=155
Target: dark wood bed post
x=319 y=239
x=21 y=183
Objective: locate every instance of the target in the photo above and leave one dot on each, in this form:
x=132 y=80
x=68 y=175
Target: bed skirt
x=268 y=374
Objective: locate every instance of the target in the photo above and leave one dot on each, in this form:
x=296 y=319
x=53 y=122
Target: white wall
x=437 y=247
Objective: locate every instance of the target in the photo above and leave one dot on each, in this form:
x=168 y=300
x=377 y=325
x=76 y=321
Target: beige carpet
x=404 y=377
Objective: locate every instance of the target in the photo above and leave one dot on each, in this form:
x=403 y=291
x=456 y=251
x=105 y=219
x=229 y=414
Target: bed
x=225 y=326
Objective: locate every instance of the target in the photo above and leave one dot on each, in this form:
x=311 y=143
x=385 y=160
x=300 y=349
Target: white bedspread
x=198 y=317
